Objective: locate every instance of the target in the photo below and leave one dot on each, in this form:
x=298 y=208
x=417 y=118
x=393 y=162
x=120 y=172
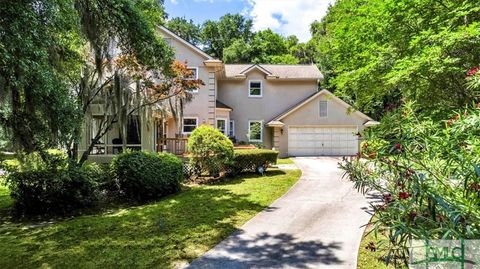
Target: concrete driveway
x=316 y=224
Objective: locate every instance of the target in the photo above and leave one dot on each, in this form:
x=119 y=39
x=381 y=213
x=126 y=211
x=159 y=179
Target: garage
x=322 y=141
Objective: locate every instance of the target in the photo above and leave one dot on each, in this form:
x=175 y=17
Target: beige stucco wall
x=277 y=97
x=309 y=114
x=202 y=105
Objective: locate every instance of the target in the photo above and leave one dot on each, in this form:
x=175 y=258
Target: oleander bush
x=146 y=175
x=210 y=151
x=428 y=174
x=252 y=160
x=51 y=184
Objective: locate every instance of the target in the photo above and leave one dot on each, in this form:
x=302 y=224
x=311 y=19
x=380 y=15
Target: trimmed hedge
x=146 y=175
x=52 y=190
x=250 y=160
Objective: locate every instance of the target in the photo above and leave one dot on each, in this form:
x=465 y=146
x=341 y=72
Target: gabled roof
x=219 y=104
x=185 y=42
x=297 y=106
x=255 y=66
x=274 y=71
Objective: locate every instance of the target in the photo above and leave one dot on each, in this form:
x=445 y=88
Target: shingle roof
x=282 y=71
x=222 y=105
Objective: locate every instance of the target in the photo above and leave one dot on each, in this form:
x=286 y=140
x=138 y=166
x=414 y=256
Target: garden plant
x=427 y=173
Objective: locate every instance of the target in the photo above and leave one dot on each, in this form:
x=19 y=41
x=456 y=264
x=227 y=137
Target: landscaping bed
x=161 y=234
x=372 y=254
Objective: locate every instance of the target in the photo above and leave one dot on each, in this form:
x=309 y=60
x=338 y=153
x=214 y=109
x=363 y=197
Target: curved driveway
x=316 y=224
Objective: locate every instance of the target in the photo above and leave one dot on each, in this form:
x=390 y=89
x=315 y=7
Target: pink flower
x=473 y=71
x=403 y=195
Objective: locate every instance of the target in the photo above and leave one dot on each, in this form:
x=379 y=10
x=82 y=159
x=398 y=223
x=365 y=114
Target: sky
x=286 y=17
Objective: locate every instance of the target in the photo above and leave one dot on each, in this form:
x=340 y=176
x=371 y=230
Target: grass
x=285 y=161
x=368 y=259
x=163 y=234
x=5 y=200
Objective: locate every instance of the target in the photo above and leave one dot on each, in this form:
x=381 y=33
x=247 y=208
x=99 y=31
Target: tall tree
x=39 y=57
x=218 y=35
x=186 y=29
x=376 y=52
x=42 y=81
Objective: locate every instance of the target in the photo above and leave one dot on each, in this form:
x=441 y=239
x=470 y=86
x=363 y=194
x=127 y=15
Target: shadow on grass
x=269 y=251
x=151 y=236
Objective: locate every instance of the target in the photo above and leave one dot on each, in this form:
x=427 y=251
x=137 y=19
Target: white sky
x=287 y=17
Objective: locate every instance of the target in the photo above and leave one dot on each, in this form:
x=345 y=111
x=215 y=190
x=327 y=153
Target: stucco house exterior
x=278 y=106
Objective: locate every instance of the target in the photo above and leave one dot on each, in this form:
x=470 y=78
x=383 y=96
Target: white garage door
x=322 y=141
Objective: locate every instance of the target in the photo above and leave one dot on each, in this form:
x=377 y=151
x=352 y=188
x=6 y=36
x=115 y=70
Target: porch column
x=276 y=138
x=277 y=132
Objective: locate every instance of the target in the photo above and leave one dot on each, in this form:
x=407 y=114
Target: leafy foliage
x=52 y=185
x=218 y=35
x=186 y=29
x=144 y=175
x=35 y=76
x=376 y=52
x=428 y=173
x=251 y=160
x=210 y=151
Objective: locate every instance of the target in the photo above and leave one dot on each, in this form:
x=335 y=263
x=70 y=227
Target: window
x=323 y=109
x=189 y=124
x=231 y=129
x=133 y=130
x=222 y=125
x=255 y=88
x=194 y=73
x=193 y=76
x=255 y=131
x=96 y=122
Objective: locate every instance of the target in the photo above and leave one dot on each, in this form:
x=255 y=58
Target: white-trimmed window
x=193 y=76
x=323 y=107
x=255 y=88
x=255 y=131
x=189 y=124
x=222 y=125
x=194 y=72
x=231 y=128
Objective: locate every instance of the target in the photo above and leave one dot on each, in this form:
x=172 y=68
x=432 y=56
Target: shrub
x=53 y=158
x=52 y=190
x=252 y=160
x=211 y=151
x=146 y=175
x=428 y=174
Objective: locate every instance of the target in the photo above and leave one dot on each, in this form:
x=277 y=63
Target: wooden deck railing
x=177 y=146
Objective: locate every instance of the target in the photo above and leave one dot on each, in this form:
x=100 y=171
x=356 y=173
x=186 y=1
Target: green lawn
x=163 y=234
x=368 y=259
x=285 y=161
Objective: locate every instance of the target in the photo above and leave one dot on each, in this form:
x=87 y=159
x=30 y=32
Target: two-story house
x=278 y=106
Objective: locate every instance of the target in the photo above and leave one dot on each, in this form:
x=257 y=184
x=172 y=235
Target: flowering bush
x=473 y=80
x=428 y=175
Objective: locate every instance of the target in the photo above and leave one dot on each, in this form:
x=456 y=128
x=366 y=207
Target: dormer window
x=255 y=88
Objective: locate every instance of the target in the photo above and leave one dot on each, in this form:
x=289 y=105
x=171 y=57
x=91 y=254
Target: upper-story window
x=193 y=75
x=255 y=88
x=323 y=105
